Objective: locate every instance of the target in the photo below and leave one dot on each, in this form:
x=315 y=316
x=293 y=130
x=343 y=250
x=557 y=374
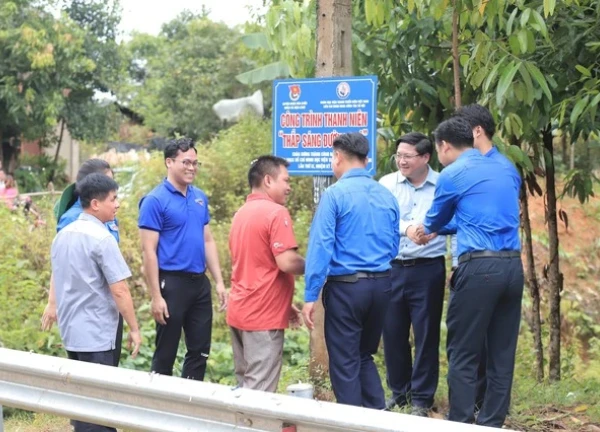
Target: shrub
x=25 y=268
x=34 y=173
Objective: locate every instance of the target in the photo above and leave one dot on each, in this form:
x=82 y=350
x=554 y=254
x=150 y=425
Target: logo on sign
x=343 y=90
x=294 y=92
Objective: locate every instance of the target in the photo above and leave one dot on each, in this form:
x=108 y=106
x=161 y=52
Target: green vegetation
x=532 y=63
x=24 y=274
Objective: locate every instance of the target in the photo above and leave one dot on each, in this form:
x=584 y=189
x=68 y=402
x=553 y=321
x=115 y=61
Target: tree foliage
x=178 y=75
x=288 y=37
x=52 y=67
x=44 y=59
x=532 y=63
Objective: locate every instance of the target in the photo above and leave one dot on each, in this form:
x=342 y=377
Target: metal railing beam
x=138 y=400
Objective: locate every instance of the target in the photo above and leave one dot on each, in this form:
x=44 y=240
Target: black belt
x=181 y=274
x=352 y=278
x=487 y=254
x=415 y=261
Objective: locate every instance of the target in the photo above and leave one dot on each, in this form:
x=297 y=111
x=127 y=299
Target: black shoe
x=419 y=411
x=392 y=402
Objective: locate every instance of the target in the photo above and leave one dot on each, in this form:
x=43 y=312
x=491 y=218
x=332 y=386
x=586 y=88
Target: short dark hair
x=265 y=165
x=92 y=166
x=456 y=132
x=353 y=144
x=477 y=115
x=95 y=186
x=421 y=143
x=174 y=146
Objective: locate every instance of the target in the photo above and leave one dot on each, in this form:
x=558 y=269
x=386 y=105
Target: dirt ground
x=579 y=244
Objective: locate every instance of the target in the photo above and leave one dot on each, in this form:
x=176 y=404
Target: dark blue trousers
x=104 y=358
x=485 y=306
x=354 y=315
x=417 y=301
x=481 y=378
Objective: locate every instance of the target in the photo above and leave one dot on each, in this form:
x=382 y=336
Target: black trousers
x=104 y=358
x=485 y=306
x=118 y=342
x=417 y=301
x=354 y=315
x=189 y=302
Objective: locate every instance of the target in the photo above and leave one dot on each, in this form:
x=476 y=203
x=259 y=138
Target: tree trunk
x=455 y=58
x=533 y=284
x=564 y=147
x=334 y=58
x=1 y=152
x=58 y=145
x=555 y=277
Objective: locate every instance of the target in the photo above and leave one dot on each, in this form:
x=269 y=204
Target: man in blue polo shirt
x=353 y=239
x=487 y=287
x=177 y=248
x=483 y=126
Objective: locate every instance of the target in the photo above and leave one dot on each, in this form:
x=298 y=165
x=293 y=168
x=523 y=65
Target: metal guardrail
x=142 y=401
x=34 y=194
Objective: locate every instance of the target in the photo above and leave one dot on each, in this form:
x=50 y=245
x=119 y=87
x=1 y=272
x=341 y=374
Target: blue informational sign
x=308 y=114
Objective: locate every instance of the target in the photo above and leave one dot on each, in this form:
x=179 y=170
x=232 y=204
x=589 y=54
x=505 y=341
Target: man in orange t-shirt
x=265 y=259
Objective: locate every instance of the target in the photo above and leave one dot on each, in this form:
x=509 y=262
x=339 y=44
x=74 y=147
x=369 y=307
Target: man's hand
x=222 y=294
x=159 y=310
x=450 y=274
x=134 y=340
x=307 y=313
x=417 y=234
x=49 y=316
x=295 y=317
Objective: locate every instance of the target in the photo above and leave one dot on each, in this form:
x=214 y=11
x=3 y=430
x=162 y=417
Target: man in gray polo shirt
x=89 y=274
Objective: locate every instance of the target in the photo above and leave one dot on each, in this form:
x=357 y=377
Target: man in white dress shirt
x=418 y=282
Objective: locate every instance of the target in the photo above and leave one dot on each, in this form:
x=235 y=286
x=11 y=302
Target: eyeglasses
x=406 y=157
x=188 y=163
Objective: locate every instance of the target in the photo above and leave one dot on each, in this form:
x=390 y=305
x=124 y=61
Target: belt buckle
x=409 y=263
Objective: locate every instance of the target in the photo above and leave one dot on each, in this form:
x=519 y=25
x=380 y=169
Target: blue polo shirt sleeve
x=207 y=213
x=443 y=205
x=150 y=214
x=320 y=246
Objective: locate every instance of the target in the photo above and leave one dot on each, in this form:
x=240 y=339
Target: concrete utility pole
x=334 y=58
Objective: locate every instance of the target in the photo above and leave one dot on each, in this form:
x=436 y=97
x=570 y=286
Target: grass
x=24 y=421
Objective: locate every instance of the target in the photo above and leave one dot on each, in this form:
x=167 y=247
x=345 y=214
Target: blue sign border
x=371 y=134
